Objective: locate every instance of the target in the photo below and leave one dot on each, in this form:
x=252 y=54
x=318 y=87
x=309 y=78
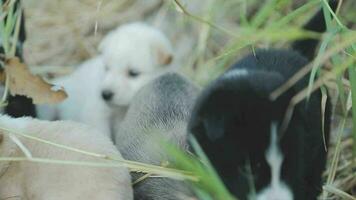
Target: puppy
x=237 y=126
x=102 y=88
x=133 y=54
x=38 y=181
x=159 y=111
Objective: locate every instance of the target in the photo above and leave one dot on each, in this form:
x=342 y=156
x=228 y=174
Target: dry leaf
x=2 y=75
x=22 y=82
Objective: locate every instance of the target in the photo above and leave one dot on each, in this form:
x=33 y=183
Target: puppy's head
x=232 y=121
x=133 y=54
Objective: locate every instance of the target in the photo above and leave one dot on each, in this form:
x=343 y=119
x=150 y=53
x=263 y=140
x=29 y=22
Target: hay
x=63 y=33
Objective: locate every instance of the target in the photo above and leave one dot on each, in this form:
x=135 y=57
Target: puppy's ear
x=210 y=125
x=214 y=128
x=163 y=54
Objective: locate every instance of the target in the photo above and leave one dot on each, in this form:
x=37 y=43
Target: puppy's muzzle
x=107 y=95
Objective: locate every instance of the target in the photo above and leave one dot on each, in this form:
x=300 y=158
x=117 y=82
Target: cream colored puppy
x=103 y=87
x=133 y=54
x=38 y=181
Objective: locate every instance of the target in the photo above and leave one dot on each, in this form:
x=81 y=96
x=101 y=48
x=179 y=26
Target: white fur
x=235 y=73
x=277 y=190
x=135 y=46
x=37 y=181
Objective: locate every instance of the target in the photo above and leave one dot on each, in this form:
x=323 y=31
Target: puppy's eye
x=133 y=73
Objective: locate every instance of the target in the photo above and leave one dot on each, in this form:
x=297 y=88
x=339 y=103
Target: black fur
x=317 y=23
x=19 y=106
x=232 y=120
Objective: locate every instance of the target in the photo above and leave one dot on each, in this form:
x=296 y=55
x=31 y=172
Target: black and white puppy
x=237 y=125
x=159 y=110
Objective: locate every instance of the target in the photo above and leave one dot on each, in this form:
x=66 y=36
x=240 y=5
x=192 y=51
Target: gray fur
x=161 y=110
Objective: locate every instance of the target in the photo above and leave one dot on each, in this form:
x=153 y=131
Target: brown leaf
x=22 y=82
x=2 y=75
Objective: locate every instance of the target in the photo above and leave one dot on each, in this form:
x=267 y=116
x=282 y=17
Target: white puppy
x=133 y=54
x=38 y=181
x=103 y=87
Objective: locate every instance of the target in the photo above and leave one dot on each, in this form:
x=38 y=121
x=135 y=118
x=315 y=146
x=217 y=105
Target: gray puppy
x=160 y=110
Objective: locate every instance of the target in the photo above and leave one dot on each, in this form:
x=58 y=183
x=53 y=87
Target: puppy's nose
x=107 y=95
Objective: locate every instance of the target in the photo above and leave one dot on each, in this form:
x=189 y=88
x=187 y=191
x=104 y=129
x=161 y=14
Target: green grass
x=209 y=185
x=9 y=28
x=352 y=75
x=10 y=20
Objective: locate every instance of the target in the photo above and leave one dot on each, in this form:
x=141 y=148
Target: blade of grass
x=352 y=77
x=243 y=13
x=303 y=94
x=263 y=13
x=335 y=160
x=10 y=20
x=324 y=100
x=329 y=75
x=317 y=61
x=348 y=39
x=336 y=60
x=133 y=166
x=324 y=44
x=208 y=182
x=297 y=12
x=4 y=36
x=7 y=25
x=15 y=36
x=326 y=6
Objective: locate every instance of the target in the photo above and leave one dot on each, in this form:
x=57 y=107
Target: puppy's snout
x=107 y=95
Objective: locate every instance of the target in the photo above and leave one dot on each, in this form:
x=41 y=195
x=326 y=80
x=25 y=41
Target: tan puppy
x=38 y=181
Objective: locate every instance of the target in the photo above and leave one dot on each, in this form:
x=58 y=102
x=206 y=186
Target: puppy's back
x=53 y=181
x=160 y=110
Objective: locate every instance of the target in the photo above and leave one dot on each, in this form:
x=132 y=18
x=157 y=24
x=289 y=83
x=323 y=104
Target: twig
x=201 y=20
x=23 y=148
x=338 y=192
x=136 y=166
x=305 y=70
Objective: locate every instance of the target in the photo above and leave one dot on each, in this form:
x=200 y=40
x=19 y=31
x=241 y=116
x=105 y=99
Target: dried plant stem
x=135 y=166
x=201 y=20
